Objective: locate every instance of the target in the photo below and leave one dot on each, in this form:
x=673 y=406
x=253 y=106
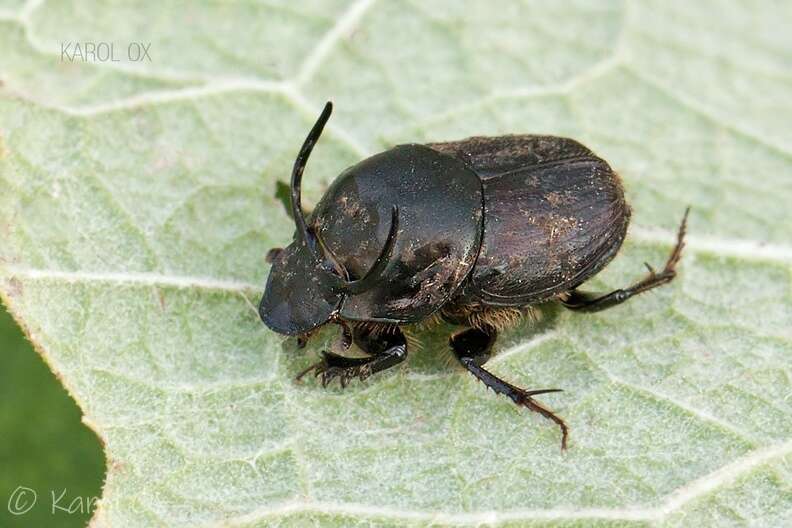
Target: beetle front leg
x=589 y=302
x=473 y=347
x=385 y=350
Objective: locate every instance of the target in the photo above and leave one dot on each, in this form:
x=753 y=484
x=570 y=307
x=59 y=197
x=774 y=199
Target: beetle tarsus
x=344 y=375
x=333 y=366
x=386 y=350
x=588 y=302
x=472 y=347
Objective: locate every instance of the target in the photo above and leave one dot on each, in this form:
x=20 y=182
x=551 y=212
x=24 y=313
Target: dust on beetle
x=473 y=232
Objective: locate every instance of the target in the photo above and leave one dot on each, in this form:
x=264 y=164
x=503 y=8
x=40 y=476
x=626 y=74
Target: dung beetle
x=471 y=232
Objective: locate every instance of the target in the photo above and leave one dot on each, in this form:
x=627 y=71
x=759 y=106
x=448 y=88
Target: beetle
x=473 y=232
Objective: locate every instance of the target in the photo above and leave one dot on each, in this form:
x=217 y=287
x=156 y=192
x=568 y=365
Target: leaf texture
x=139 y=202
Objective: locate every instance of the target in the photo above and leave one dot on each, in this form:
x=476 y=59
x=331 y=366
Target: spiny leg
x=385 y=348
x=589 y=302
x=472 y=347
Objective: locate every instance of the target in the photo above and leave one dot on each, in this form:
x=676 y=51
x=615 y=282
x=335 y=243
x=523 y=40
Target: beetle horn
x=373 y=275
x=312 y=241
x=296 y=180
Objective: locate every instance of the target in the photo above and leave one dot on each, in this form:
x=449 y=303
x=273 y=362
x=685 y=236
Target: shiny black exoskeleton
x=474 y=231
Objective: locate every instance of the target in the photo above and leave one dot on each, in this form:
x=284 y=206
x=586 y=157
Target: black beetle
x=472 y=232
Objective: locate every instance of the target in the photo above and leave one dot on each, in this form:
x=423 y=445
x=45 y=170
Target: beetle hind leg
x=473 y=347
x=385 y=348
x=588 y=302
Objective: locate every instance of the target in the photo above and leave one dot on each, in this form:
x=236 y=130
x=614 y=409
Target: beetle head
x=307 y=283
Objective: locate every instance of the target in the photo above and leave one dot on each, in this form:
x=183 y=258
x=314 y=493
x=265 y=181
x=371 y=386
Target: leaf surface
x=139 y=202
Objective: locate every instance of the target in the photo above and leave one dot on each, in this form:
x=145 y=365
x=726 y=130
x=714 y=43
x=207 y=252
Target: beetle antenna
x=296 y=180
x=373 y=275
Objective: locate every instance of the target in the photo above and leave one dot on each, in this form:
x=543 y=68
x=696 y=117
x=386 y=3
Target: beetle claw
x=306 y=371
x=327 y=373
x=524 y=399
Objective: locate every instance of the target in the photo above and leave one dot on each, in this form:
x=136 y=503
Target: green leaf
x=45 y=449
x=139 y=203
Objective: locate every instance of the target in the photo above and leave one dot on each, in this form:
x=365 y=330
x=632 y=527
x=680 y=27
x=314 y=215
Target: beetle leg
x=588 y=302
x=334 y=365
x=472 y=347
x=386 y=350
